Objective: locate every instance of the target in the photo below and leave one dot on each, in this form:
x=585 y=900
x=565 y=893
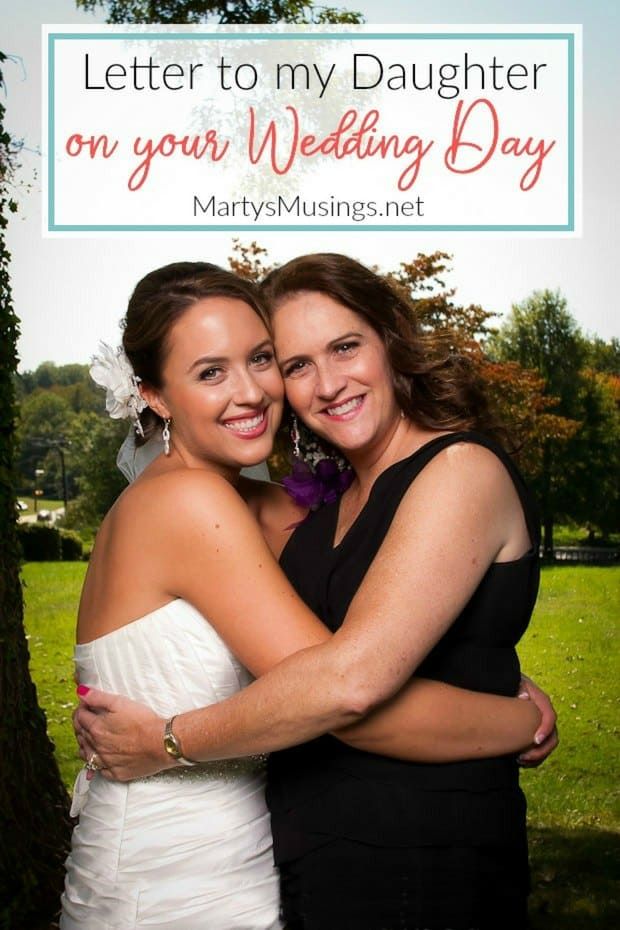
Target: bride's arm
x=221 y=564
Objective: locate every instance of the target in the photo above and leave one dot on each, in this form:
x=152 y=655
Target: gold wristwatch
x=173 y=746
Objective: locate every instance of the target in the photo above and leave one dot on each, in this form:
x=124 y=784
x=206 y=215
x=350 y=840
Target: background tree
x=71 y=382
x=34 y=822
x=95 y=441
x=44 y=417
x=249 y=261
x=422 y=280
x=518 y=394
x=575 y=478
x=603 y=356
x=514 y=385
x=222 y=11
x=541 y=334
x=593 y=456
x=53 y=401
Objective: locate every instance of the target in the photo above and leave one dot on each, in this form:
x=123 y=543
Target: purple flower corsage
x=323 y=484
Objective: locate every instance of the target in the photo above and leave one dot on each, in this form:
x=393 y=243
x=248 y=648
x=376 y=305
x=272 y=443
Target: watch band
x=172 y=745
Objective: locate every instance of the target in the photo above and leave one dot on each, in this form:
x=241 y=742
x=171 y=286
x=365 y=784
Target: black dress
x=365 y=842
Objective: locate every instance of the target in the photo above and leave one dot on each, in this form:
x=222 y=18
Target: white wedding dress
x=189 y=849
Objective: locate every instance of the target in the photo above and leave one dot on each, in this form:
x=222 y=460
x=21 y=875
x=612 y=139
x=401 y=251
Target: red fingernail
x=82 y=690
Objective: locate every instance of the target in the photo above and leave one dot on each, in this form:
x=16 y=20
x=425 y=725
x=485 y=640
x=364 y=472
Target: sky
x=70 y=293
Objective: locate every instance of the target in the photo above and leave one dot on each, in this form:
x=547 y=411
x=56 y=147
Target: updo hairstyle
x=159 y=300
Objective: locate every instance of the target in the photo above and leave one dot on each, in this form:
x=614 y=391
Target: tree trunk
x=547 y=514
x=34 y=819
x=548 y=536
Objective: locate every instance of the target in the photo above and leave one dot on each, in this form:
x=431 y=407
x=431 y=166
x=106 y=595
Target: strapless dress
x=190 y=848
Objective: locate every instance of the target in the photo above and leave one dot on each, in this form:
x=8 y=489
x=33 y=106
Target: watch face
x=171 y=747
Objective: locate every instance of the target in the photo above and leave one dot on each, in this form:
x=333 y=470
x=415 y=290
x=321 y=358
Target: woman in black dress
x=432 y=555
x=362 y=840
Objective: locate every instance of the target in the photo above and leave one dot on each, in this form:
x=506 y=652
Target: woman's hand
x=546 y=738
x=126 y=736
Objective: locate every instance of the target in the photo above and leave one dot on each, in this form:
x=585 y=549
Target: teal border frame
x=52 y=226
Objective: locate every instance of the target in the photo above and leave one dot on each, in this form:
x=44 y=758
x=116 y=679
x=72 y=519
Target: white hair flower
x=112 y=370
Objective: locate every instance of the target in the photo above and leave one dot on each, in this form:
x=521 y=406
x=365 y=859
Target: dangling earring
x=165 y=435
x=295 y=437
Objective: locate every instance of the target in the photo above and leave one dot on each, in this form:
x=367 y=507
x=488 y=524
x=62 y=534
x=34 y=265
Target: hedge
x=42 y=543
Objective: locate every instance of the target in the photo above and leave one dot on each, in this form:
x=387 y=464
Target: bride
x=191 y=847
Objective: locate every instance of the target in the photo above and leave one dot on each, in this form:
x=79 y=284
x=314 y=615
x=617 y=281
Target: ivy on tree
x=34 y=819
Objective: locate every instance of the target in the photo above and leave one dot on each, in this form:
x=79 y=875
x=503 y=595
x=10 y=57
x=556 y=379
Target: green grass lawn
x=570 y=649
x=51 y=595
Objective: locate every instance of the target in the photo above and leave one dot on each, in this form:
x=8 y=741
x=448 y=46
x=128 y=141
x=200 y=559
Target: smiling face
x=336 y=372
x=220 y=385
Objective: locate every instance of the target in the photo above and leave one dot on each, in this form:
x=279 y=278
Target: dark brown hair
x=435 y=386
x=158 y=301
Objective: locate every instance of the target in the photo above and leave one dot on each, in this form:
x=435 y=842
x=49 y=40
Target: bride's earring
x=165 y=435
x=295 y=437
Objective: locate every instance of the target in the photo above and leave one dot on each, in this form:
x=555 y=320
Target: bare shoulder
x=467 y=466
x=465 y=492
x=179 y=498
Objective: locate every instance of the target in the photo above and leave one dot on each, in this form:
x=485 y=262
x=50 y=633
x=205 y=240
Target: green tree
x=516 y=391
x=49 y=374
x=594 y=455
x=95 y=441
x=61 y=378
x=603 y=356
x=34 y=821
x=51 y=398
x=72 y=382
x=222 y=11
x=541 y=334
x=44 y=414
x=44 y=417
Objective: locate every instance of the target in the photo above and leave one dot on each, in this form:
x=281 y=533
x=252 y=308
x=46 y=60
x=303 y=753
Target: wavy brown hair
x=159 y=300
x=436 y=386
